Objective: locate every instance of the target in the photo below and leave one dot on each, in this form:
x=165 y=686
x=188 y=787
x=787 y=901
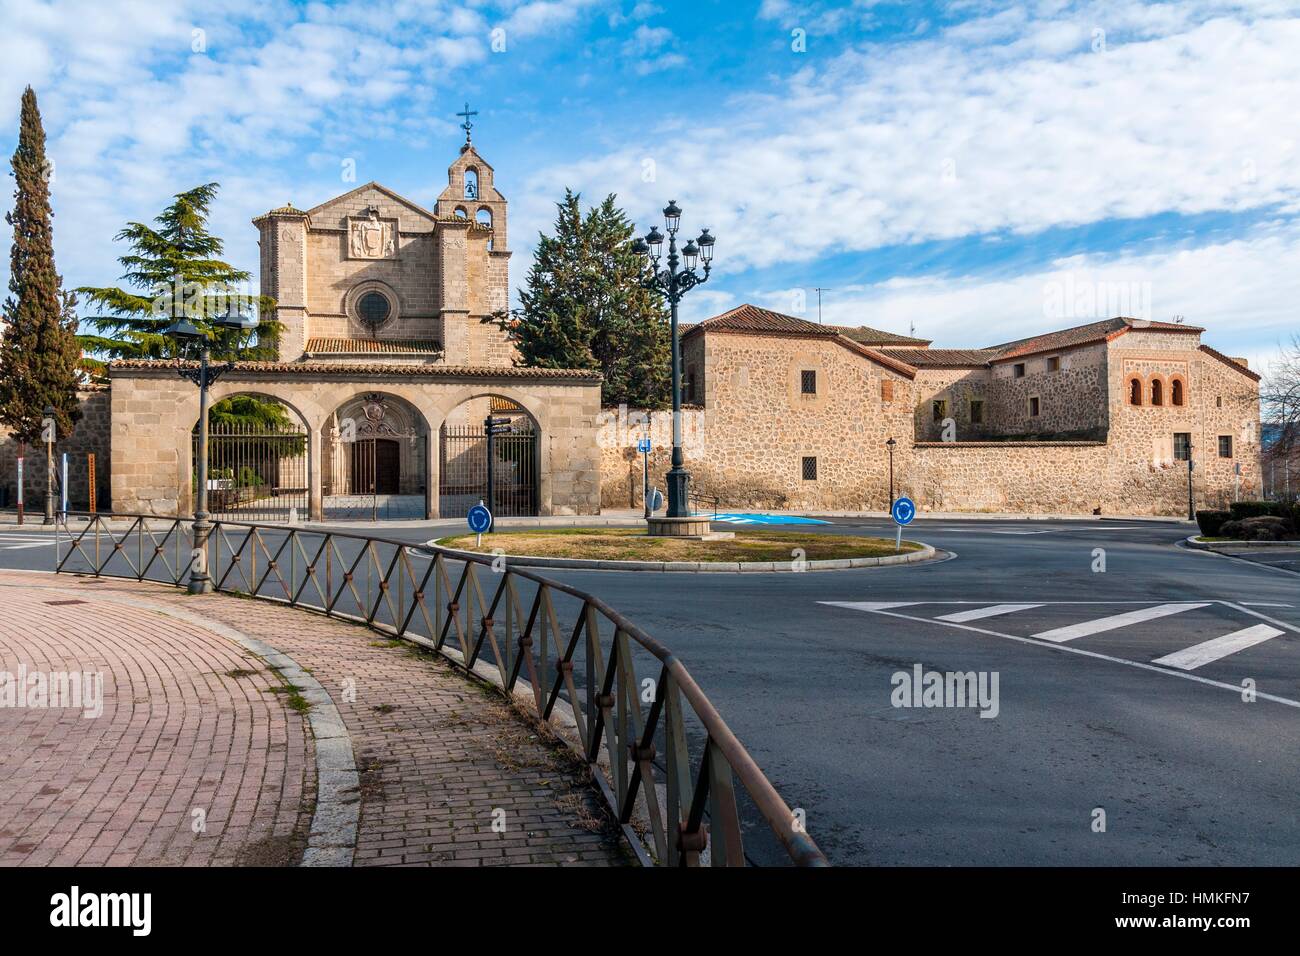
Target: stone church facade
x=1099 y=418
x=388 y=365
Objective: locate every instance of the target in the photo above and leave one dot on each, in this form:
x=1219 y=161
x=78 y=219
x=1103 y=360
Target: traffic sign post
x=903 y=510
x=479 y=519
x=643 y=446
x=493 y=427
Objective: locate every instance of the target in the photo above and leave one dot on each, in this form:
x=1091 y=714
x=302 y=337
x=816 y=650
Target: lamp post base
x=696 y=527
x=200 y=582
x=679 y=490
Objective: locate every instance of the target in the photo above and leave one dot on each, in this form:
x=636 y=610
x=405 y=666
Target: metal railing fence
x=663 y=757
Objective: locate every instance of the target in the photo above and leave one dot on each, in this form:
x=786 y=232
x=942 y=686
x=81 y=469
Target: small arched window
x=1157 y=392
x=484 y=218
x=1135 y=391
x=471 y=183
x=461 y=212
x=1176 y=392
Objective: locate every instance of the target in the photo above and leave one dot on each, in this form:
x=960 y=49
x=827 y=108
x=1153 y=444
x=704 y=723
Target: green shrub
x=1210 y=522
x=1259 y=509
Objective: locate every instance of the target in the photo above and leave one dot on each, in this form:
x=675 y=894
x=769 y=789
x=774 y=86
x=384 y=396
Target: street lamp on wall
x=890 y=445
x=187 y=335
x=673 y=282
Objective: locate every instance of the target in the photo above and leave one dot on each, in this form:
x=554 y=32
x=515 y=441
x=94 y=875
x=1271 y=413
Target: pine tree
x=173 y=268
x=39 y=354
x=585 y=308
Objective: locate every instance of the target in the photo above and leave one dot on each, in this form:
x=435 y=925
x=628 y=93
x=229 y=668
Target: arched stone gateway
x=400 y=410
x=259 y=459
x=471 y=453
x=375 y=459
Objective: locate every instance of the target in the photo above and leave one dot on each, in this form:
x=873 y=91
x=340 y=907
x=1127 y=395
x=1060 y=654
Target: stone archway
x=513 y=464
x=374 y=459
x=259 y=461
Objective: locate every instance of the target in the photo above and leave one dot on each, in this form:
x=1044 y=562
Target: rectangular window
x=688 y=385
x=1033 y=406
x=1225 y=446
x=1018 y=370
x=1054 y=363
x=940 y=410
x=808 y=381
x=886 y=390
x=809 y=469
x=977 y=411
x=1182 y=446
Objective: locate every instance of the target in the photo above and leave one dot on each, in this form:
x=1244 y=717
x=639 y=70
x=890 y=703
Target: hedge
x=1211 y=521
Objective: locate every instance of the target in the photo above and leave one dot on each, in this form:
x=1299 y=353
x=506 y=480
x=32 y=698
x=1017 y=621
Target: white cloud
x=934 y=140
x=1238 y=290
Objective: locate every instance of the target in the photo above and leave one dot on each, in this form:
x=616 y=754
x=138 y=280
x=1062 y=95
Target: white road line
x=19 y=547
x=869 y=605
x=1098 y=625
x=983 y=612
x=1065 y=648
x=1206 y=652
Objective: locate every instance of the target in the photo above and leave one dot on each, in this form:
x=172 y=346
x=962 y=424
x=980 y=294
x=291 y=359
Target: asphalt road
x=1120 y=662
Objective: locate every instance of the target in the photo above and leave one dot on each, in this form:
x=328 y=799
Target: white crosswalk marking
x=982 y=612
x=1193 y=657
x=1114 y=621
x=869 y=605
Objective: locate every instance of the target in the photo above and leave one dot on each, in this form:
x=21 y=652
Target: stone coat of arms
x=371 y=237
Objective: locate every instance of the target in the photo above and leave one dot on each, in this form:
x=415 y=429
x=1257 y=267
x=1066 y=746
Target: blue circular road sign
x=903 y=510
x=479 y=518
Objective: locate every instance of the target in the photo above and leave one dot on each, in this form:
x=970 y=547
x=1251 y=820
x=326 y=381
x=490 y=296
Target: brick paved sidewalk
x=193 y=720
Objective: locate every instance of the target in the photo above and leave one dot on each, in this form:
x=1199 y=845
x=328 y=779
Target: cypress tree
x=39 y=353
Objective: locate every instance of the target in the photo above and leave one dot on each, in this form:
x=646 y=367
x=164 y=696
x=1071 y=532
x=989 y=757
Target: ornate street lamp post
x=186 y=333
x=674 y=282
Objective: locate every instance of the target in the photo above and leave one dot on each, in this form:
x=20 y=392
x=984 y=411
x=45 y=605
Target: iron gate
x=257 y=471
x=462 y=475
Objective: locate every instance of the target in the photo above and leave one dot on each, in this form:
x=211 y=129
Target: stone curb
x=1217 y=546
x=926 y=553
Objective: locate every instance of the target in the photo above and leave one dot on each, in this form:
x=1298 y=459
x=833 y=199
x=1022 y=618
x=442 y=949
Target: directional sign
x=479 y=518
x=903 y=510
x=643 y=445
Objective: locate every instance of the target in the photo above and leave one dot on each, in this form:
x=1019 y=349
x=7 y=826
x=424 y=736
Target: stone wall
x=91 y=436
x=747 y=442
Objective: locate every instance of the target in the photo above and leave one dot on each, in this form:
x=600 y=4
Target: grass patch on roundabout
x=633 y=544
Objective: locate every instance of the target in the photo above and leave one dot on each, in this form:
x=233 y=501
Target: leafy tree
x=1280 y=396
x=39 y=353
x=173 y=269
x=585 y=308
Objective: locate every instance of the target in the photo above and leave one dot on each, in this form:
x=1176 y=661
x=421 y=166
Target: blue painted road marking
x=767 y=519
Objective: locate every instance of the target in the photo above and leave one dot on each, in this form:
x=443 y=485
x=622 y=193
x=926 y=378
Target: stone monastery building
x=1101 y=417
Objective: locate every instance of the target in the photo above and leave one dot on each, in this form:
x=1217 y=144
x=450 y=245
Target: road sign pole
x=898 y=540
x=22 y=447
x=491 y=454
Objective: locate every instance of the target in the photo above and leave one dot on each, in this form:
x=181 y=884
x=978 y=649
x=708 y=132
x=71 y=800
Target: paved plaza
x=145 y=726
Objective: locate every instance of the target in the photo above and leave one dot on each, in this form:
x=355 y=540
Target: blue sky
x=947 y=166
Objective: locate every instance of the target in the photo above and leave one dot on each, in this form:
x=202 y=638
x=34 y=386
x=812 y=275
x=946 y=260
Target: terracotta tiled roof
x=942 y=358
x=757 y=321
x=1088 y=334
x=1230 y=362
x=750 y=318
x=342 y=346
x=377 y=368
x=866 y=335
